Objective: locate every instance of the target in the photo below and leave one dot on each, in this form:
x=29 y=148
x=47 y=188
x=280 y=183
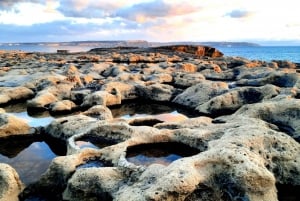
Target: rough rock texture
x=100 y=112
x=200 y=93
x=11 y=125
x=9 y=94
x=196 y=50
x=236 y=98
x=246 y=155
x=10 y=184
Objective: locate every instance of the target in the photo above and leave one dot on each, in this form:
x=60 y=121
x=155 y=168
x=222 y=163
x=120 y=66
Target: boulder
x=10 y=183
x=11 y=125
x=100 y=112
x=126 y=90
x=9 y=94
x=280 y=79
x=65 y=127
x=63 y=106
x=231 y=101
x=200 y=93
x=102 y=98
x=184 y=80
x=284 y=113
x=155 y=92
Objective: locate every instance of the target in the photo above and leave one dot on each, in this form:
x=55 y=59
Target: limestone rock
x=102 y=98
x=236 y=98
x=42 y=100
x=196 y=50
x=62 y=106
x=280 y=79
x=65 y=127
x=126 y=90
x=284 y=113
x=200 y=93
x=11 y=125
x=100 y=112
x=188 y=67
x=156 y=92
x=184 y=80
x=10 y=184
x=9 y=94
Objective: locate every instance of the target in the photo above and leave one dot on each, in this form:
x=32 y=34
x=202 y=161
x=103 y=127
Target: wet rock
x=10 y=183
x=11 y=125
x=200 y=93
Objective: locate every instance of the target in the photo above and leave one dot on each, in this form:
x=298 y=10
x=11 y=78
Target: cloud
x=90 y=8
x=155 y=9
x=8 y=4
x=239 y=14
x=26 y=14
x=67 y=30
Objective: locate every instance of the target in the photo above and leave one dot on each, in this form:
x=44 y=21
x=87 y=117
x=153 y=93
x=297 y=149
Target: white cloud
x=25 y=14
x=155 y=20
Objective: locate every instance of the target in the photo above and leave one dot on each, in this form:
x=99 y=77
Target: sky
x=262 y=21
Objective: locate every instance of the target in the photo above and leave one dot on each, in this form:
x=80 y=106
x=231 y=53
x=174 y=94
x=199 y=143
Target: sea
x=266 y=53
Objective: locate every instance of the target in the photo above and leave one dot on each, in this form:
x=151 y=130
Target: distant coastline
x=132 y=43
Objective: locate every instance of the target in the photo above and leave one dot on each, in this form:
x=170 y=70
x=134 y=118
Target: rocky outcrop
x=195 y=50
x=246 y=155
x=234 y=99
x=11 y=125
x=200 y=93
x=10 y=184
x=10 y=94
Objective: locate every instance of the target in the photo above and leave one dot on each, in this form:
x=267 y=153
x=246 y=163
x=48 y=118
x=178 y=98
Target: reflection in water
x=33 y=119
x=96 y=142
x=29 y=155
x=91 y=163
x=161 y=153
x=140 y=108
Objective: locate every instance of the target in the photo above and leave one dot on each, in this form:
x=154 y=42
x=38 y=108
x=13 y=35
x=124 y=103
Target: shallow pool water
x=28 y=155
x=143 y=108
x=161 y=153
x=34 y=121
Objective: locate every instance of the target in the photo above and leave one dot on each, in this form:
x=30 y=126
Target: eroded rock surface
x=10 y=184
x=241 y=156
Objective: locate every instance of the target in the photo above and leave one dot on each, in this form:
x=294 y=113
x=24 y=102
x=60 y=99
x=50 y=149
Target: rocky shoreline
x=246 y=132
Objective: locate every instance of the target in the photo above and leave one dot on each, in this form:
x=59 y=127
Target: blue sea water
x=266 y=53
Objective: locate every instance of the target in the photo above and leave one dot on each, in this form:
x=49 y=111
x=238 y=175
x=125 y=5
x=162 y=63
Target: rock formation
x=244 y=136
